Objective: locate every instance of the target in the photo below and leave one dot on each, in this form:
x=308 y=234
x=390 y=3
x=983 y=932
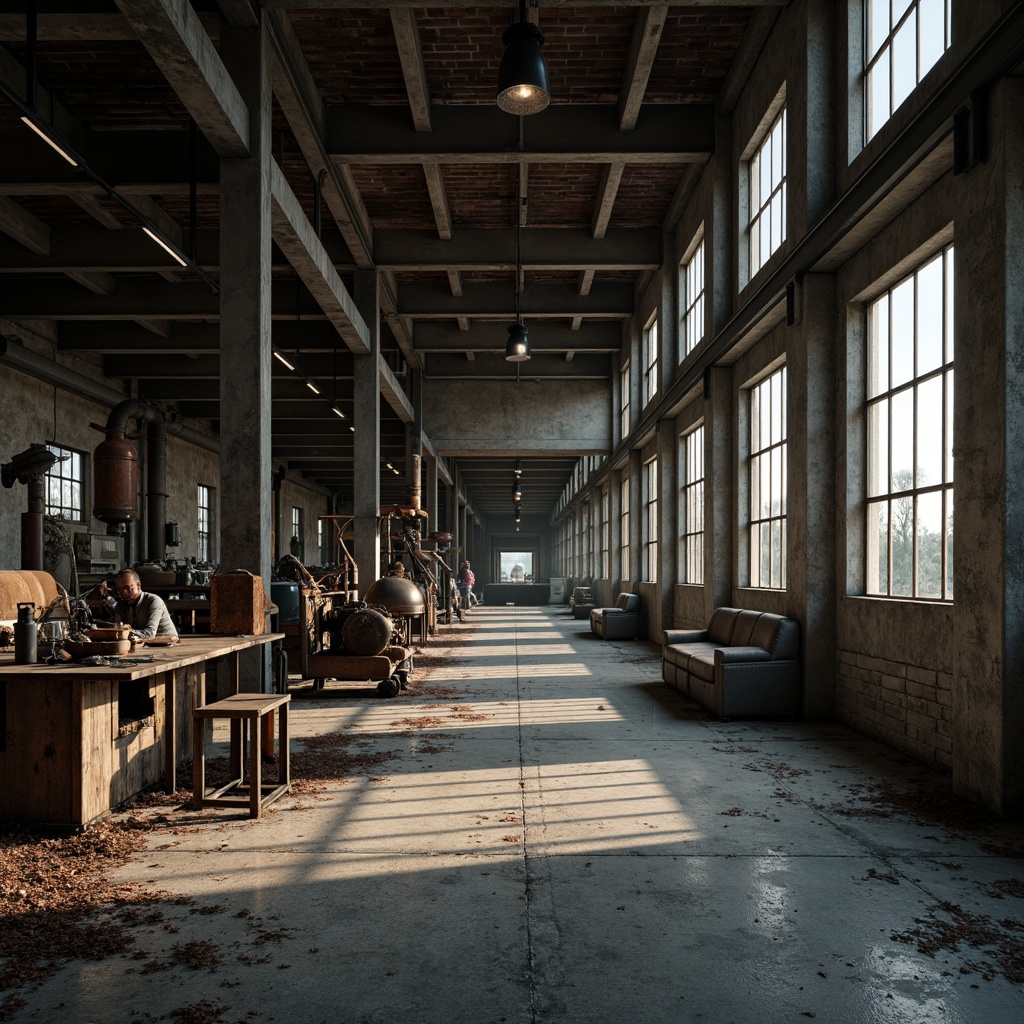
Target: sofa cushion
x=702 y=665
x=744 y=628
x=777 y=635
x=721 y=625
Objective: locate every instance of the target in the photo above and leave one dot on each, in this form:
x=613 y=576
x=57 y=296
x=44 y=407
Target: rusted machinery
x=350 y=641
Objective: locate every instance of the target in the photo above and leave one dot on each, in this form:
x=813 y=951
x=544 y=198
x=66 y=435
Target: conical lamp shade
x=523 y=74
x=518 y=348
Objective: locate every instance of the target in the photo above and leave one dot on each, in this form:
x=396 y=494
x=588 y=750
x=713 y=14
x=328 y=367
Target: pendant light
x=517 y=348
x=523 y=73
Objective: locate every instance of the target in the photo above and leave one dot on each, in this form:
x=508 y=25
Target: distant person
x=518 y=573
x=465 y=580
x=146 y=614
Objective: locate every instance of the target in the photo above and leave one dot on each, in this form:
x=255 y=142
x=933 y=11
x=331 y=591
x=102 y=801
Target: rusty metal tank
x=115 y=466
x=366 y=632
x=399 y=595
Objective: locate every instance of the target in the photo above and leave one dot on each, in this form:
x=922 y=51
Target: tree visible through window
x=910 y=435
x=768 y=482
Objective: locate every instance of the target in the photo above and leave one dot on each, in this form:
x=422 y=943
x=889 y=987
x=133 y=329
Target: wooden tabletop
x=189 y=651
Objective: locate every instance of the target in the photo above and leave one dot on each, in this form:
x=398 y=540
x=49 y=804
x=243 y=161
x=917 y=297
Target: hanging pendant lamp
x=523 y=74
x=517 y=348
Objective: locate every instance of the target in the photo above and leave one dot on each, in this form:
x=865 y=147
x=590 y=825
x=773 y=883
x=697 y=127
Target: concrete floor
x=578 y=844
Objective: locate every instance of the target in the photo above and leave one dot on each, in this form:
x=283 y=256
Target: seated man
x=145 y=613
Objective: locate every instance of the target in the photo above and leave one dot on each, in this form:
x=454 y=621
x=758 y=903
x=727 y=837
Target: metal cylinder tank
x=115 y=480
x=399 y=595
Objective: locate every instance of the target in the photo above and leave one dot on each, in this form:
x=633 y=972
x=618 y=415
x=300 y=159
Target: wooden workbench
x=76 y=741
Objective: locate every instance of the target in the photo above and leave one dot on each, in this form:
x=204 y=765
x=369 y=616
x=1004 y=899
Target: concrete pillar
x=430 y=491
x=720 y=234
x=246 y=501
x=668 y=523
x=366 y=420
x=719 y=490
x=988 y=417
x=810 y=494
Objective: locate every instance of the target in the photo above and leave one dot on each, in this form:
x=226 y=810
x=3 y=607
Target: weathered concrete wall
x=476 y=416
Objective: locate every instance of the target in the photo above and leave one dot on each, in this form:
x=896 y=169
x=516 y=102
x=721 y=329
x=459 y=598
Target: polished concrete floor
x=540 y=830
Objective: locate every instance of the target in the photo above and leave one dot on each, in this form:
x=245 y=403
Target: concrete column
x=246 y=499
x=430 y=491
x=719 y=491
x=668 y=522
x=988 y=418
x=366 y=419
x=810 y=495
x=720 y=233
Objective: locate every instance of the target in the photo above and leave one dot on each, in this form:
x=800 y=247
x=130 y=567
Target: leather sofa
x=623 y=622
x=746 y=664
x=581 y=603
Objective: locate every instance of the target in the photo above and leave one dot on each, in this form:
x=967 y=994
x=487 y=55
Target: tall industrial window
x=691 y=507
x=768 y=482
x=65 y=485
x=204 y=505
x=624 y=533
x=910 y=435
x=903 y=39
x=606 y=534
x=767 y=191
x=651 y=507
x=321 y=542
x=691 y=277
x=296 y=545
x=587 y=566
x=624 y=383
x=650 y=360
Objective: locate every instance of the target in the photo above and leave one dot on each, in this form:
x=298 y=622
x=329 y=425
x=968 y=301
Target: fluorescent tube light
x=46 y=138
x=165 y=246
x=277 y=355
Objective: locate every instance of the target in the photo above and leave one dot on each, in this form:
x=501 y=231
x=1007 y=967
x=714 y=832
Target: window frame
x=651 y=519
x=624 y=561
x=625 y=387
x=914 y=489
x=758 y=454
x=56 y=476
x=766 y=142
x=606 y=533
x=692 y=272
x=651 y=341
x=882 y=59
x=204 y=537
x=691 y=505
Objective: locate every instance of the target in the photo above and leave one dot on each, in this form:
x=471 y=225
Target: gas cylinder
x=115 y=467
x=25 y=635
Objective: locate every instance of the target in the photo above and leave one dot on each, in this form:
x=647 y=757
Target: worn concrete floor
x=559 y=837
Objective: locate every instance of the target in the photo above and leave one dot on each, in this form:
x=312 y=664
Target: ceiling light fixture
x=337 y=412
x=277 y=355
x=166 y=246
x=312 y=387
x=523 y=74
x=517 y=349
x=48 y=139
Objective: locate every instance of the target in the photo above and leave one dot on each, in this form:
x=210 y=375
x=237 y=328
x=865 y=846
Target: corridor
x=540 y=830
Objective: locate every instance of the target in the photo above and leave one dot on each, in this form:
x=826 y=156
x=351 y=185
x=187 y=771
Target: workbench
x=77 y=740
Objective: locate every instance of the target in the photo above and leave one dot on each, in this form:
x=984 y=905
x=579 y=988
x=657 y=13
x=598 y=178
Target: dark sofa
x=746 y=664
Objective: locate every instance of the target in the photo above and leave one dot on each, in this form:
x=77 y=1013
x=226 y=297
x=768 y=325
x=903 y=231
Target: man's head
x=128 y=586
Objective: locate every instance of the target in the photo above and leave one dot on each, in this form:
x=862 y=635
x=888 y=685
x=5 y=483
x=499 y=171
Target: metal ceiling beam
x=295 y=238
x=491 y=301
x=650 y=21
x=545 y=336
x=494 y=249
x=177 y=42
x=575 y=133
x=333 y=5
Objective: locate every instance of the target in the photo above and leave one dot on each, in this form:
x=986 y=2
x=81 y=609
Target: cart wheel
x=388 y=687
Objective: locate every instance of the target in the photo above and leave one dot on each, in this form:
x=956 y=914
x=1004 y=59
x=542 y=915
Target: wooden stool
x=245 y=710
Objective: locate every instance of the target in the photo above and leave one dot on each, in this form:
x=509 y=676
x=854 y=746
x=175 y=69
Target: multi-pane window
x=204 y=508
x=624 y=533
x=651 y=504
x=606 y=533
x=624 y=389
x=691 y=507
x=691 y=276
x=767 y=169
x=585 y=540
x=768 y=481
x=650 y=360
x=903 y=39
x=296 y=545
x=64 y=483
x=910 y=435
x=321 y=541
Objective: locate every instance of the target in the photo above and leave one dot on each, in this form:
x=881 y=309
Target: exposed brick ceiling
x=113 y=90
